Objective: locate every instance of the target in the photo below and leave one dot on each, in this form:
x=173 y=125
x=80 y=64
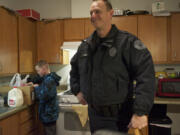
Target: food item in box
x=29 y=96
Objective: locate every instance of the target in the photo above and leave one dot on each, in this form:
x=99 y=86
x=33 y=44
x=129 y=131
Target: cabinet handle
x=1 y=67
x=175 y=54
x=57 y=56
x=0 y=130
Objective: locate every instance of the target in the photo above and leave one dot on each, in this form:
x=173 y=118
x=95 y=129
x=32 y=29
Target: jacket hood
x=56 y=77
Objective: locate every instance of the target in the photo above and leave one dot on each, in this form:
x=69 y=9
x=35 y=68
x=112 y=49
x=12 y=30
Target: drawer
x=25 y=115
x=27 y=127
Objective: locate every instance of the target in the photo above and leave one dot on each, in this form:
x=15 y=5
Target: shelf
x=168 y=101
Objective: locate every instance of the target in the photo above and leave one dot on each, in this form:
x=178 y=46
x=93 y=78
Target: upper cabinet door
x=74 y=29
x=49 y=41
x=175 y=37
x=27 y=44
x=152 y=31
x=89 y=28
x=8 y=43
x=126 y=23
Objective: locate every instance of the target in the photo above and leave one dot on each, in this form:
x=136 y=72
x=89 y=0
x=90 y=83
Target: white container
x=158 y=6
x=15 y=97
x=118 y=12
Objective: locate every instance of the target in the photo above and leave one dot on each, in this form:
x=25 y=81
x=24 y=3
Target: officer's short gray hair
x=107 y=3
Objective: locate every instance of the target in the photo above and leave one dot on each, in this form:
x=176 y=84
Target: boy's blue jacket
x=47 y=95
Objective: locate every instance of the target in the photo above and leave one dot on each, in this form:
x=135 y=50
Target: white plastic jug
x=15 y=97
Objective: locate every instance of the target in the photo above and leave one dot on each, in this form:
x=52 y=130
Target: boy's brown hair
x=42 y=63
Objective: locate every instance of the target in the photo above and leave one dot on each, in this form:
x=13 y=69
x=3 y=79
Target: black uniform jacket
x=104 y=71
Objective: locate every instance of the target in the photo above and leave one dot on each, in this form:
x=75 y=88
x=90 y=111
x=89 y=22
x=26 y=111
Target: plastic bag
x=16 y=80
x=15 y=97
x=24 y=81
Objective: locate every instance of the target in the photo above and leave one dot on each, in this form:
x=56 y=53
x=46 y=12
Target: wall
x=5 y=80
x=80 y=8
x=171 y=5
x=47 y=8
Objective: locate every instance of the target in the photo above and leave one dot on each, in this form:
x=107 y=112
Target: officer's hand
x=138 y=121
x=81 y=99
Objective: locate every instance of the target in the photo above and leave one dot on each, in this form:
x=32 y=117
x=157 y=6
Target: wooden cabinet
x=27 y=127
x=152 y=31
x=10 y=125
x=16 y=32
x=8 y=43
x=26 y=115
x=21 y=123
x=27 y=121
x=49 y=40
x=159 y=34
x=174 y=38
x=126 y=23
x=74 y=29
x=89 y=28
x=27 y=44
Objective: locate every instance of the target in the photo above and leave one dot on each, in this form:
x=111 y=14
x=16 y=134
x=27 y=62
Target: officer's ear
x=111 y=12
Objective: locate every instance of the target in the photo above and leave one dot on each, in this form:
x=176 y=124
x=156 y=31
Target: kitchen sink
x=5 y=109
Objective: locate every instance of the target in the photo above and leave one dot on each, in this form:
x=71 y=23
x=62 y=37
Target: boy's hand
x=35 y=85
x=138 y=121
x=81 y=99
x=29 y=84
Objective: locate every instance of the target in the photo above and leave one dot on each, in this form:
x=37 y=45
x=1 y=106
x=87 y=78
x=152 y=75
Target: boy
x=46 y=93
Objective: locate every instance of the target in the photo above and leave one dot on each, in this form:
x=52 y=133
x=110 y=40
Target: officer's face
x=100 y=15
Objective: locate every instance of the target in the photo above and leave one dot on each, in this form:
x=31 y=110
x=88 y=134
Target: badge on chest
x=112 y=52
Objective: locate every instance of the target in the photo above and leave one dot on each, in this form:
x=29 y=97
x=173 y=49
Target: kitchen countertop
x=157 y=100
x=7 y=111
x=67 y=107
x=167 y=100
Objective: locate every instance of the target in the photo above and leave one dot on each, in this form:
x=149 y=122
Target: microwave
x=168 y=88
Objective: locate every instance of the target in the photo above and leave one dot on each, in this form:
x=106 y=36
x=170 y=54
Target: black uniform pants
x=50 y=128
x=115 y=123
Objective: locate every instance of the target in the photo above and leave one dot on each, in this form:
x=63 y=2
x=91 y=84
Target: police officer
x=103 y=71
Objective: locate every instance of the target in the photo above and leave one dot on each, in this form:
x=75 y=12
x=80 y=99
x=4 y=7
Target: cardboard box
x=30 y=13
x=28 y=93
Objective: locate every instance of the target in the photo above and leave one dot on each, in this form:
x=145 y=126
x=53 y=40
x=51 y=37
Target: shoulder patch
x=139 y=45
